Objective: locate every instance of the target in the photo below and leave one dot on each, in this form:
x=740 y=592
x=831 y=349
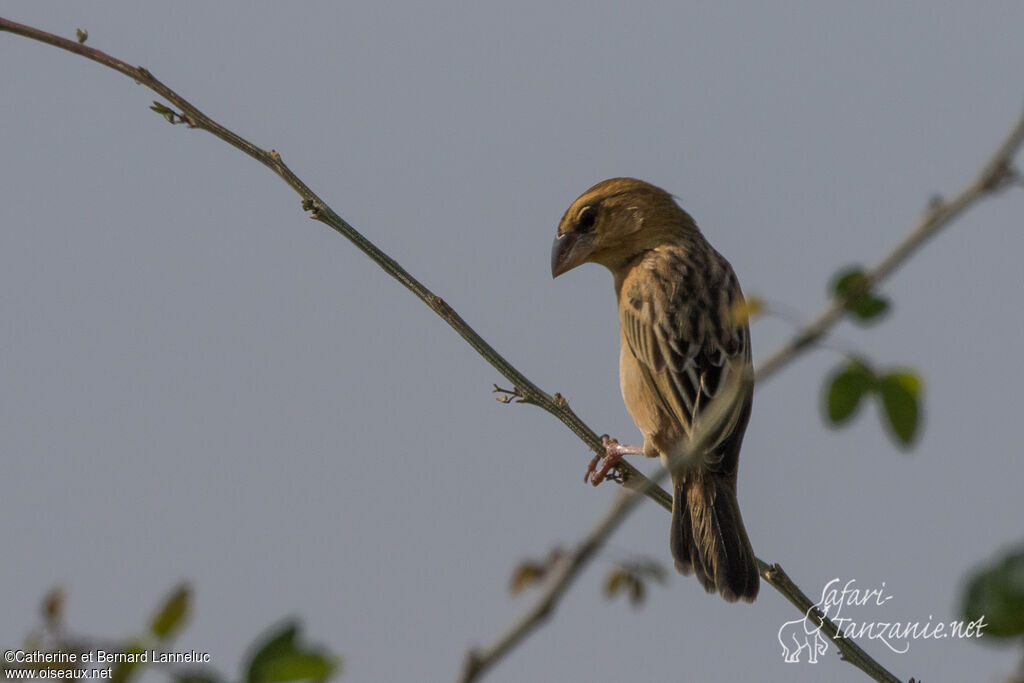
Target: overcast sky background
x=201 y=383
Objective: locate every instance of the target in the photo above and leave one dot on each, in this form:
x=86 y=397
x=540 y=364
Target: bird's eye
x=585 y=221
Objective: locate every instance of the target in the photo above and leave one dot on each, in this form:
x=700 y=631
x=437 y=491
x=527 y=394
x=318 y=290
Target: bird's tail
x=708 y=538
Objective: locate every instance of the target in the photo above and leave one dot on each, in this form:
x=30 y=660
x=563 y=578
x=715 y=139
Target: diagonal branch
x=996 y=174
x=319 y=210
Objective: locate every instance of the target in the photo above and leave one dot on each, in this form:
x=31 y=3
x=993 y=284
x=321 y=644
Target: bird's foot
x=613 y=452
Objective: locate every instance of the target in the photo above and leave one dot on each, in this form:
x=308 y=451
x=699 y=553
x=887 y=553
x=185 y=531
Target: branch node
x=313 y=206
x=471 y=665
x=1002 y=176
x=513 y=395
x=441 y=307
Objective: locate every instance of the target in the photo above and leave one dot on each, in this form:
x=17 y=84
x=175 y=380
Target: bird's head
x=613 y=222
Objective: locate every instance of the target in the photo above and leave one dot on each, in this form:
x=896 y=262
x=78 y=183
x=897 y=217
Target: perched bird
x=681 y=345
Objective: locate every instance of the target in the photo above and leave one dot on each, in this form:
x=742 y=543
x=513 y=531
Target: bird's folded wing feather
x=684 y=343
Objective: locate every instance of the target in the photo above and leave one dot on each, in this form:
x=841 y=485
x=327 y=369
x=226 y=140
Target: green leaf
x=996 y=594
x=851 y=284
x=164 y=111
x=172 y=613
x=901 y=397
x=281 y=657
x=297 y=667
x=125 y=671
x=846 y=388
x=196 y=675
x=868 y=307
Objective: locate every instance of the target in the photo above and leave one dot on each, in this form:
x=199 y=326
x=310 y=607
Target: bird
x=682 y=344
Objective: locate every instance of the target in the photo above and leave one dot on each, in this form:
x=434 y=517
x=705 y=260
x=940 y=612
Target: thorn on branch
x=1002 y=176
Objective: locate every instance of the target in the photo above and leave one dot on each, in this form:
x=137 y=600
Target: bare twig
x=996 y=174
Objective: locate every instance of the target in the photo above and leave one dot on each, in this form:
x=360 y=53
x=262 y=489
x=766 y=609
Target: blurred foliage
x=996 y=592
x=531 y=572
x=631 y=579
x=280 y=655
x=851 y=285
x=898 y=392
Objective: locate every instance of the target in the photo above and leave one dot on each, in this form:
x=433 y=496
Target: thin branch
x=996 y=174
x=191 y=116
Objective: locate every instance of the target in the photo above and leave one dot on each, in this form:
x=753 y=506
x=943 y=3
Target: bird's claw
x=612 y=456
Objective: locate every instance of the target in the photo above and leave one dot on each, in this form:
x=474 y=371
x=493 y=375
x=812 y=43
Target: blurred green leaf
x=172 y=613
x=868 y=307
x=637 y=594
x=613 y=583
x=197 y=675
x=900 y=393
x=164 y=111
x=851 y=284
x=124 y=671
x=280 y=656
x=295 y=667
x=846 y=388
x=997 y=594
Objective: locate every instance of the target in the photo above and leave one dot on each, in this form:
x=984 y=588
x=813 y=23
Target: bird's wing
x=675 y=318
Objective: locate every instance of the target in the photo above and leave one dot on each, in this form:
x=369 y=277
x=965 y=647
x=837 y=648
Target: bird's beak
x=569 y=250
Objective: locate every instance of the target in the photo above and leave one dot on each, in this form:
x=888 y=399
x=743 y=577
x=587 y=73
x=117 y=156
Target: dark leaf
x=868 y=307
x=846 y=388
x=851 y=284
x=997 y=594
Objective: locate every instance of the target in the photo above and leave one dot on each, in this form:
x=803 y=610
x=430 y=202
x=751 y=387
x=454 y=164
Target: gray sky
x=201 y=383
